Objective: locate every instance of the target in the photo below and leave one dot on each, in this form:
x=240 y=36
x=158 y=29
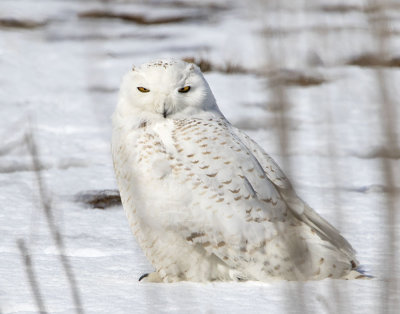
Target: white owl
x=204 y=201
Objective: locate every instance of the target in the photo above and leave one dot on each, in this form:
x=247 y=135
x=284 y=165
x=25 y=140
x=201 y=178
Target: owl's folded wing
x=233 y=210
x=301 y=209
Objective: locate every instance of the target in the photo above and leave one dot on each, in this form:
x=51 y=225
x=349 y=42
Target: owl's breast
x=149 y=176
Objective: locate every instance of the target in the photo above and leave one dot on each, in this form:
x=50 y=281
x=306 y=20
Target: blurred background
x=315 y=83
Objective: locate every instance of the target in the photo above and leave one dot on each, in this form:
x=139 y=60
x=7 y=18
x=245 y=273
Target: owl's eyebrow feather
x=186 y=75
x=182 y=82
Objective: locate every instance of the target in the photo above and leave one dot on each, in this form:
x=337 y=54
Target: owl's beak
x=166 y=108
x=163 y=107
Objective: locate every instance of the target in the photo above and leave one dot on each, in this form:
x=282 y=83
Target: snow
x=60 y=81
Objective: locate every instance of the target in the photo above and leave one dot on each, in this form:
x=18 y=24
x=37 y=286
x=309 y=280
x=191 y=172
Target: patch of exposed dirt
x=21 y=23
x=381 y=152
x=369 y=8
x=208 y=66
x=378 y=6
x=340 y=8
x=296 y=78
x=100 y=199
x=372 y=60
x=196 y=5
x=134 y=18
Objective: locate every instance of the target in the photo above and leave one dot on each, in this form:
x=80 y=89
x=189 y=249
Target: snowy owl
x=204 y=201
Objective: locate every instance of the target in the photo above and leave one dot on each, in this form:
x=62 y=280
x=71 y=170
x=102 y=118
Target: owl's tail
x=329 y=233
x=324 y=229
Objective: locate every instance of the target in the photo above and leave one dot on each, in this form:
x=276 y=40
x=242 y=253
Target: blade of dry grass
x=280 y=98
x=54 y=231
x=34 y=284
x=390 y=290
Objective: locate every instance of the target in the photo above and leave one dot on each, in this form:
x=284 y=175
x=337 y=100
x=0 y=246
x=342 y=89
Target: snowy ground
x=59 y=75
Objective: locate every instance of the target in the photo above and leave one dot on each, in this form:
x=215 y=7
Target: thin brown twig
x=34 y=284
x=46 y=205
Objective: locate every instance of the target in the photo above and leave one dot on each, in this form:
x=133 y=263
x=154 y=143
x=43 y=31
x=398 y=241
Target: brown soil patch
x=134 y=18
x=340 y=8
x=208 y=66
x=195 y=5
x=100 y=199
x=25 y=24
x=371 y=60
x=296 y=78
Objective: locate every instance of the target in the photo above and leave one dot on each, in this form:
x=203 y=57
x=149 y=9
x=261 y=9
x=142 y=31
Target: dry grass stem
x=54 y=231
x=389 y=126
x=34 y=284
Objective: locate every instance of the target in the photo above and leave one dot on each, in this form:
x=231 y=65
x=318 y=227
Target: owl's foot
x=151 y=277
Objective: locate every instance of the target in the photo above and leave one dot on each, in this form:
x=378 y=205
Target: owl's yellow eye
x=184 y=89
x=143 y=90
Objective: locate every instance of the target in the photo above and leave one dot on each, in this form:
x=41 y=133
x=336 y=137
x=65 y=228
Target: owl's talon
x=143 y=276
x=150 y=277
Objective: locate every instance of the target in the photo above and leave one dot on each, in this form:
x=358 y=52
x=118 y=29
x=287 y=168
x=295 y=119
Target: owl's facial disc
x=166 y=89
x=166 y=109
x=166 y=101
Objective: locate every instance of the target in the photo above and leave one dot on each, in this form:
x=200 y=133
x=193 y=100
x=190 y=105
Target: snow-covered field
x=295 y=64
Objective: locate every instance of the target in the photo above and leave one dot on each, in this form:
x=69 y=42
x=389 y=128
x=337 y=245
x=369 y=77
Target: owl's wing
x=301 y=209
x=230 y=207
x=236 y=199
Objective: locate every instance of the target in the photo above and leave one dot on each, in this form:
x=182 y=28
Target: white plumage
x=204 y=201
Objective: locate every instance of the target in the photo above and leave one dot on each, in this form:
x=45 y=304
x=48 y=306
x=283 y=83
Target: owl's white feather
x=204 y=201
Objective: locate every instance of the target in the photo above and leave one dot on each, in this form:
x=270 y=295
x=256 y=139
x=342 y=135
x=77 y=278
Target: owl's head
x=169 y=89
